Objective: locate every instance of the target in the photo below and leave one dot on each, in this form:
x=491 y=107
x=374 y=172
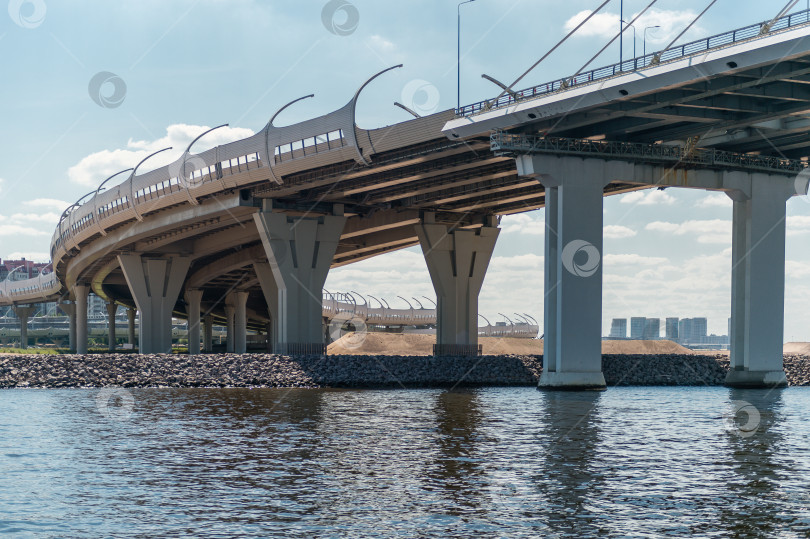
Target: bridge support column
x=131 y=326
x=80 y=291
x=155 y=285
x=758 y=282
x=111 y=310
x=457 y=261
x=238 y=300
x=208 y=333
x=70 y=310
x=193 y=300
x=229 y=336
x=268 y=283
x=23 y=313
x=300 y=251
x=572 y=347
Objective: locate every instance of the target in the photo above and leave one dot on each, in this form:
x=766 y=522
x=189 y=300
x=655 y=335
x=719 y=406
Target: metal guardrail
x=718 y=41
x=504 y=143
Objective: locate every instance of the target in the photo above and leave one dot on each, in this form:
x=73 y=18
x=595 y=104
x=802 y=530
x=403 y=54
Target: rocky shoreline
x=267 y=370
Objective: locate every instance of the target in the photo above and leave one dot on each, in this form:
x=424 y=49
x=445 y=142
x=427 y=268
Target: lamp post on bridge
x=458 y=53
x=645 y=38
x=634 y=38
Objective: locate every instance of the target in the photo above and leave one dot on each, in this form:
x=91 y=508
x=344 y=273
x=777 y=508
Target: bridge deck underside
x=462 y=182
x=761 y=110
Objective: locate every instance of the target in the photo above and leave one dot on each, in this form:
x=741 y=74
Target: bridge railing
x=680 y=51
x=502 y=142
x=334 y=309
x=25 y=290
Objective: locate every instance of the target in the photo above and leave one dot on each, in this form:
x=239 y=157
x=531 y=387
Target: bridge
x=245 y=233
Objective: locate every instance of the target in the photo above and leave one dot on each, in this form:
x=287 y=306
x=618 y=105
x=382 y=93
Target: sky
x=91 y=87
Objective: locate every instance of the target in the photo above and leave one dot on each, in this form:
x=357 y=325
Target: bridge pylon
x=457 y=260
x=300 y=250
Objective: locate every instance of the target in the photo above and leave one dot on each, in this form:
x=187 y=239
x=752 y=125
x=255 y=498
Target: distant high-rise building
x=618 y=328
x=699 y=329
x=672 y=329
x=637 y=325
x=684 y=330
x=652 y=329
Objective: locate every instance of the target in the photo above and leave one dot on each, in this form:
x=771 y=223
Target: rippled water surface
x=515 y=462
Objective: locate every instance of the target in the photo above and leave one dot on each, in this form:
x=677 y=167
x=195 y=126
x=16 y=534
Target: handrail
x=502 y=142
x=717 y=41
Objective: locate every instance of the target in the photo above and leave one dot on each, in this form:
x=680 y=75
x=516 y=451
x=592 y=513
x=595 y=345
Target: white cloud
x=707 y=231
x=94 y=168
x=36 y=257
x=799 y=270
x=715 y=200
x=606 y=25
x=618 y=232
x=47 y=217
x=17 y=230
x=634 y=260
x=522 y=223
x=647 y=198
x=380 y=44
x=1 y=184
x=47 y=203
x=798 y=224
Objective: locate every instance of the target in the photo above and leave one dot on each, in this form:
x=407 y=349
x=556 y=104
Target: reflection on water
x=505 y=462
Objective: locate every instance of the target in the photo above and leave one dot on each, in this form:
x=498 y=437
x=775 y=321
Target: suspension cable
x=657 y=56
x=767 y=26
x=508 y=89
x=609 y=43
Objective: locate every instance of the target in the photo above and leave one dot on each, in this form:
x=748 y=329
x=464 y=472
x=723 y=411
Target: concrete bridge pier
x=237 y=321
x=270 y=291
x=70 y=310
x=80 y=292
x=193 y=300
x=572 y=347
x=23 y=313
x=457 y=261
x=758 y=281
x=229 y=337
x=208 y=333
x=155 y=286
x=111 y=310
x=299 y=251
x=131 y=326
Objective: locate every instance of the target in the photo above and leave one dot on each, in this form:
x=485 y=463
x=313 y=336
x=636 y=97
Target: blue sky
x=189 y=64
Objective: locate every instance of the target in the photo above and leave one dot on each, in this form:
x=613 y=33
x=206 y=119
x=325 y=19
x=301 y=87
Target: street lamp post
x=458 y=54
x=645 y=37
x=634 y=36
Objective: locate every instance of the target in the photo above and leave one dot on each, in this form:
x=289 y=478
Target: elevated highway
x=246 y=232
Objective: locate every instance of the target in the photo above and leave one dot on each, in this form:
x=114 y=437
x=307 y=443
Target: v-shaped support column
x=155 y=285
x=300 y=251
x=457 y=260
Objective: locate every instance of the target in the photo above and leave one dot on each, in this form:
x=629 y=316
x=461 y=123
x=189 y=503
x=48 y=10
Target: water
x=641 y=462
